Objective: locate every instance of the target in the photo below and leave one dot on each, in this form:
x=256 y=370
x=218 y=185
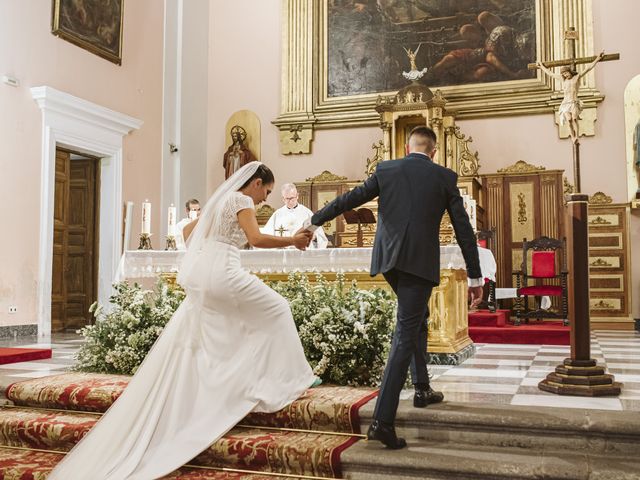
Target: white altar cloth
x=150 y=263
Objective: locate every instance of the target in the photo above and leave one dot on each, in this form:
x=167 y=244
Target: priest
x=288 y=219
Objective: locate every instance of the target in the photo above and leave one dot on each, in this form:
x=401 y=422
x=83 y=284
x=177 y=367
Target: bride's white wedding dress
x=230 y=348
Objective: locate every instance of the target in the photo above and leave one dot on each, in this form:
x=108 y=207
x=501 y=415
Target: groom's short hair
x=424 y=132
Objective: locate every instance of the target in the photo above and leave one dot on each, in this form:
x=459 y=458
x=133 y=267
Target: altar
x=448 y=323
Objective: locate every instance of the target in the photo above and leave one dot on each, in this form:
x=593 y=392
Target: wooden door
x=74 y=246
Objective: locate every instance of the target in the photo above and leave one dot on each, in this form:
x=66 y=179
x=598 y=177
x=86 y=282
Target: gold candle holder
x=171 y=243
x=145 y=242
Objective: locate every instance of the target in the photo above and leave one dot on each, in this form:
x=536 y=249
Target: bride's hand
x=302 y=239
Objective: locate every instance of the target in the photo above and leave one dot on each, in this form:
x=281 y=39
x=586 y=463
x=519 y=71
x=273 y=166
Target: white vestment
x=287 y=221
x=180 y=244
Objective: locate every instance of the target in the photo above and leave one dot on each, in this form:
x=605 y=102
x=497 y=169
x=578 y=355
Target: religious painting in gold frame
x=95 y=25
x=307 y=104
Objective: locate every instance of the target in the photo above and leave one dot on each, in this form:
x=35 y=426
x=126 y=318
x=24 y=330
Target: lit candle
x=171 y=221
x=146 y=217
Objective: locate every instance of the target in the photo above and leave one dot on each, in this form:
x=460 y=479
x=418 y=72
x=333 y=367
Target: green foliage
x=345 y=331
x=120 y=339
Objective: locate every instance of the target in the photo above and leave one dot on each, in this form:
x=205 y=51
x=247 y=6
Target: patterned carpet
x=306 y=438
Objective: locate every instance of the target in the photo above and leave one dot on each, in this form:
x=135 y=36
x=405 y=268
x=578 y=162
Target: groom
x=413 y=194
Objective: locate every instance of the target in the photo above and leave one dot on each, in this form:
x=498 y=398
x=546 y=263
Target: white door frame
x=74 y=123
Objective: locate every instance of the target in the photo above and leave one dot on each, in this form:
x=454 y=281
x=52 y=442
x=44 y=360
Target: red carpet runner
x=54 y=413
x=14 y=355
x=487 y=327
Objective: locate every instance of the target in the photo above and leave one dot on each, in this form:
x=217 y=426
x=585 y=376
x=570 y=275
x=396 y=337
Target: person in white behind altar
x=230 y=348
x=289 y=218
x=192 y=208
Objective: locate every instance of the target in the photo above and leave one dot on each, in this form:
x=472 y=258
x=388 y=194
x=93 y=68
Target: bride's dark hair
x=264 y=173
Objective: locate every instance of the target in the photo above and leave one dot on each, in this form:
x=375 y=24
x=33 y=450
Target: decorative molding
x=297 y=139
x=600 y=263
x=602 y=305
x=586 y=122
x=522 y=209
x=599 y=198
x=378 y=156
x=83 y=126
x=568 y=188
x=599 y=221
x=468 y=161
x=326 y=176
x=296 y=119
x=265 y=211
x=51 y=100
x=521 y=167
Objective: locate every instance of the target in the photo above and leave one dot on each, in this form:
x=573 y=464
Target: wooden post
x=576 y=167
x=579 y=375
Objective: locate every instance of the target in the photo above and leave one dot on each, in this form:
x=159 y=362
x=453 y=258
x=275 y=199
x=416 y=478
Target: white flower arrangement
x=345 y=331
x=119 y=340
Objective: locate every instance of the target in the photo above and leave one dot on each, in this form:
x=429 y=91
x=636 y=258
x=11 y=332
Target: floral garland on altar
x=345 y=331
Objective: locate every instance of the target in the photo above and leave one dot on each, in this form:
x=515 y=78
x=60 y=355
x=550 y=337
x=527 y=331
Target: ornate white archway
x=74 y=123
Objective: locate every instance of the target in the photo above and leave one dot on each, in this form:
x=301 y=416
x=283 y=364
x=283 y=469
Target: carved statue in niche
x=237 y=155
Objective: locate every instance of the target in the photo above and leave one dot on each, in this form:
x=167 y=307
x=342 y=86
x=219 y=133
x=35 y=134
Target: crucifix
x=571 y=105
x=281 y=230
x=580 y=374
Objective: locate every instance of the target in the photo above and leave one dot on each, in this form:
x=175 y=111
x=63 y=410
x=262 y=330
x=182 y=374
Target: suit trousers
x=409 y=345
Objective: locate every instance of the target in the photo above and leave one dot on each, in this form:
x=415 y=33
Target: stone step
x=597 y=432
x=485 y=318
x=436 y=461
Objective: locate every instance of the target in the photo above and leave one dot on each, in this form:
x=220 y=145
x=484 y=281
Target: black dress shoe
x=426 y=396
x=386 y=434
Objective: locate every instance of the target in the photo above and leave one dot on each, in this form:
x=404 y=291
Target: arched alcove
x=632 y=137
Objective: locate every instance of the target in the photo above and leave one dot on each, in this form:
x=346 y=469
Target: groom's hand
x=302 y=239
x=475 y=296
x=306 y=231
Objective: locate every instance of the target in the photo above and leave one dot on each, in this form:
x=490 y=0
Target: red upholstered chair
x=548 y=263
x=487 y=239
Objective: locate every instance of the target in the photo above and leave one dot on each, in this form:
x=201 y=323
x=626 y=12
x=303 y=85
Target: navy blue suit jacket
x=413 y=194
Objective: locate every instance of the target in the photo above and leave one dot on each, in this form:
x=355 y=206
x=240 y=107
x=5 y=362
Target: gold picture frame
x=306 y=105
x=94 y=27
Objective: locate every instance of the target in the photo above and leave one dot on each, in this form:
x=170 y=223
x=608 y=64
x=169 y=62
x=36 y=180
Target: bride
x=230 y=348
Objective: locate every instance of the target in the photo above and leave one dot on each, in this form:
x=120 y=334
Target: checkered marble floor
x=497 y=374
x=509 y=374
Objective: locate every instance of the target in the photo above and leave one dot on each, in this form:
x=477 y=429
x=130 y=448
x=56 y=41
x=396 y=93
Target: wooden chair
x=487 y=239
x=548 y=262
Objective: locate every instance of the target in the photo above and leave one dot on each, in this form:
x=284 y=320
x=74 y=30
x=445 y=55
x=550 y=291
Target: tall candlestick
x=171 y=221
x=146 y=217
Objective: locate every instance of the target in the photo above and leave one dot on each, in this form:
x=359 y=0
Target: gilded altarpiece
x=311 y=94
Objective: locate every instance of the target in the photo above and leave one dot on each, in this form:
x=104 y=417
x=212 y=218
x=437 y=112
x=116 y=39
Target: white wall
x=245 y=72
x=31 y=53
